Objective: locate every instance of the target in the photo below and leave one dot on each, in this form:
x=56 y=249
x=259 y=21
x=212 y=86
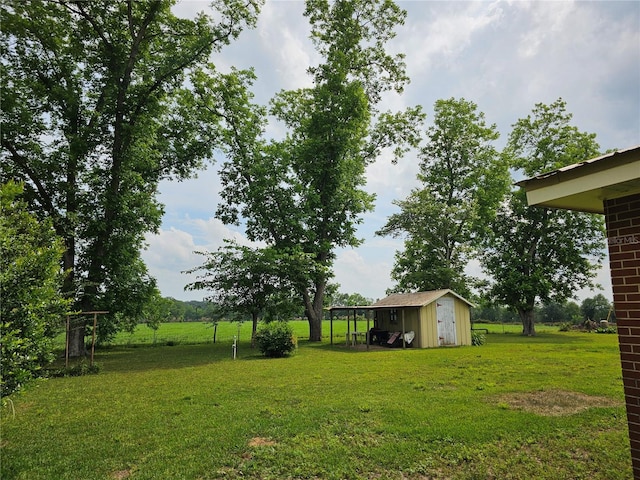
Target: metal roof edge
x=592 y=161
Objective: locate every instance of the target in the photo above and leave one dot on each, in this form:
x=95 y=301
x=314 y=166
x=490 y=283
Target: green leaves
x=30 y=288
x=538 y=254
x=101 y=101
x=251 y=281
x=304 y=193
x=463 y=181
x=545 y=140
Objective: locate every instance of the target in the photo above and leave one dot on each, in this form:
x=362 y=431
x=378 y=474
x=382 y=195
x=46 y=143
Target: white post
x=234 y=347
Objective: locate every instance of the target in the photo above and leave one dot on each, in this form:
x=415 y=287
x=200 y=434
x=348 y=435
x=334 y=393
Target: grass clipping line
x=555 y=403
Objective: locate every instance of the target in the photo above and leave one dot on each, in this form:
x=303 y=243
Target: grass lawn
x=202 y=332
x=549 y=407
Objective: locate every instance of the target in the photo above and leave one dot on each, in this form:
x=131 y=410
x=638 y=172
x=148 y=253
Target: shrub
x=477 y=338
x=79 y=369
x=30 y=291
x=606 y=330
x=275 y=339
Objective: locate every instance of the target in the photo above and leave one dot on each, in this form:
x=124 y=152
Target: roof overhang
x=585 y=186
x=404 y=300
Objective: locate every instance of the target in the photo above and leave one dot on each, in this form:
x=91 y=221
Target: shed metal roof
x=403 y=300
x=417 y=299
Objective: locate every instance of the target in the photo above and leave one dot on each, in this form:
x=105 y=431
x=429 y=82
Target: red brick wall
x=623 y=234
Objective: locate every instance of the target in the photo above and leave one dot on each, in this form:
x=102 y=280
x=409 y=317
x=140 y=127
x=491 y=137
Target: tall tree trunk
x=314 y=311
x=528 y=325
x=315 y=327
x=77 y=331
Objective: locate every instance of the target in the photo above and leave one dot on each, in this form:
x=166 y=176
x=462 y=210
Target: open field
x=201 y=332
x=548 y=407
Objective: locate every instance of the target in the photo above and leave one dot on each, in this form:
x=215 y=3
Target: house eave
x=586 y=185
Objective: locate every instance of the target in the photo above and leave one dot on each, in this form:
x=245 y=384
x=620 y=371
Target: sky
x=504 y=56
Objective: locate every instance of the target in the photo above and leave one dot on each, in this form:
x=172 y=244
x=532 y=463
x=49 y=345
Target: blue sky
x=504 y=56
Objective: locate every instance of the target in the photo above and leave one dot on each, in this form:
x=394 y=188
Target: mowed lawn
x=549 y=407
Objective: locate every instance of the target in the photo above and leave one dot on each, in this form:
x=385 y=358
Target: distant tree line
x=592 y=309
x=173 y=310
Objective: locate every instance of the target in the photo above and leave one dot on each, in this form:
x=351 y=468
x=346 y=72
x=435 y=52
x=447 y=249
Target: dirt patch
x=261 y=442
x=121 y=474
x=553 y=403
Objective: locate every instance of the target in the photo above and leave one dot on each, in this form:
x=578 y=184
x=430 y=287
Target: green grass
x=202 y=332
x=191 y=412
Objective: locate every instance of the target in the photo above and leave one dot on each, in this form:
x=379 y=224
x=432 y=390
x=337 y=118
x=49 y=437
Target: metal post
x=93 y=340
x=366 y=337
x=66 y=350
x=348 y=328
x=331 y=325
x=403 y=332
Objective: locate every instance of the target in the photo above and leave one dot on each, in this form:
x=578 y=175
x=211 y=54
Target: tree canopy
x=248 y=281
x=101 y=101
x=463 y=181
x=304 y=193
x=539 y=254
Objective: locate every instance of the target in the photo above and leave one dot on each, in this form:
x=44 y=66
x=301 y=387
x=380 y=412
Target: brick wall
x=623 y=234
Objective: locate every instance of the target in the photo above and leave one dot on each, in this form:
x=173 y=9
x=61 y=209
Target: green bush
x=477 y=338
x=79 y=369
x=276 y=339
x=606 y=330
x=31 y=303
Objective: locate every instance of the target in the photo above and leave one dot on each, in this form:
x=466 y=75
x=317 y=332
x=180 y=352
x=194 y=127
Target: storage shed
x=437 y=318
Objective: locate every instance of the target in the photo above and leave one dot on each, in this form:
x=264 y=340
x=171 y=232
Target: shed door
x=445 y=313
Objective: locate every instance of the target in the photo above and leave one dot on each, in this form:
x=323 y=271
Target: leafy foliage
x=478 y=338
x=275 y=339
x=304 y=192
x=538 y=254
x=31 y=303
x=350 y=299
x=595 y=308
x=101 y=101
x=463 y=181
x=249 y=281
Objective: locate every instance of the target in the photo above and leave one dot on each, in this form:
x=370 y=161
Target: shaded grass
x=190 y=411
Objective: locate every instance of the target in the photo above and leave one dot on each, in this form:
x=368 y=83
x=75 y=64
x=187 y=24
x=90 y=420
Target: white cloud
x=288 y=47
x=504 y=56
x=172 y=251
x=438 y=33
x=366 y=276
x=547 y=19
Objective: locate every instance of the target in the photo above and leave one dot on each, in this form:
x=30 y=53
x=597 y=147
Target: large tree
x=539 y=254
x=463 y=179
x=101 y=101
x=596 y=308
x=305 y=193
